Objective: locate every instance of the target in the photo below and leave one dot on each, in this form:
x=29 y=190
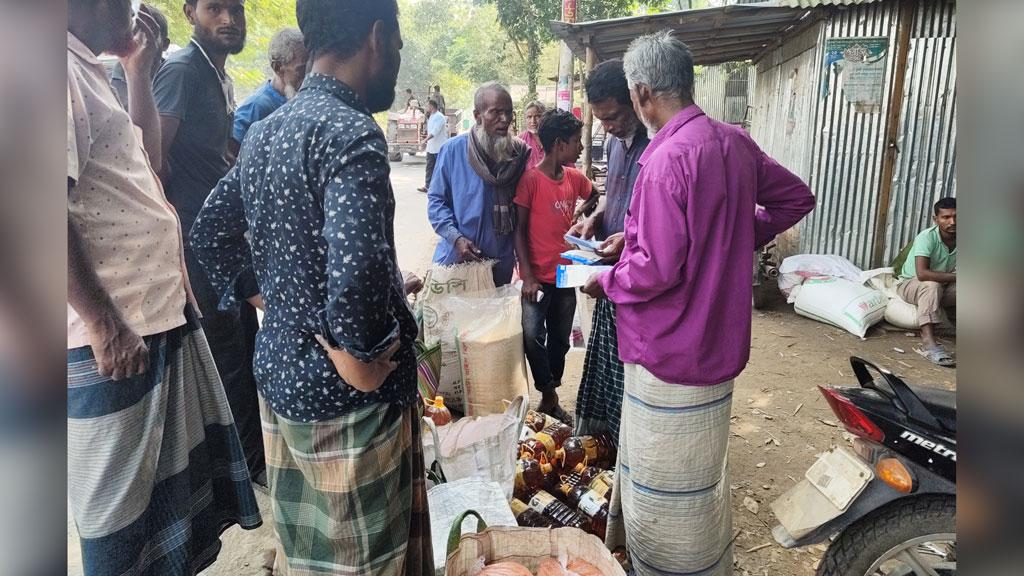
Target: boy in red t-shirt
x=545 y=204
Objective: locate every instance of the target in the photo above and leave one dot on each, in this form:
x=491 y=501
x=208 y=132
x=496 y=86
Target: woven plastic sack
x=840 y=302
x=527 y=546
x=441 y=311
x=490 y=345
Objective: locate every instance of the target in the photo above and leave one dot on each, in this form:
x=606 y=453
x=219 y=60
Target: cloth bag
x=483 y=448
x=527 y=546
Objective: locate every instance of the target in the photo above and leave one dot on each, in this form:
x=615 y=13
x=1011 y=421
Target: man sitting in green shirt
x=928 y=278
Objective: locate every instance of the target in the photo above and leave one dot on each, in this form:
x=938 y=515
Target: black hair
x=340 y=27
x=433 y=103
x=557 y=125
x=608 y=80
x=947 y=203
x=437 y=87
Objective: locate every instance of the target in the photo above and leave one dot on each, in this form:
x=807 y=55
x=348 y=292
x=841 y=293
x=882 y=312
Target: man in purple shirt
x=705 y=198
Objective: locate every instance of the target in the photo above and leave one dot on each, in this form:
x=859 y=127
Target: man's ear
x=378 y=39
x=276 y=67
x=190 y=13
x=643 y=94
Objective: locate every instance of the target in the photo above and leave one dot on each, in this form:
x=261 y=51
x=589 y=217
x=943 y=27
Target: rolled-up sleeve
x=218 y=240
x=358 y=315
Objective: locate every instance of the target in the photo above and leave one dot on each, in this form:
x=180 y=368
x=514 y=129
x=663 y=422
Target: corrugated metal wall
x=709 y=91
x=848 y=148
x=926 y=165
x=782 y=113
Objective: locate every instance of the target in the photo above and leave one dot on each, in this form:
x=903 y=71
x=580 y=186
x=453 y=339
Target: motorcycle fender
x=875 y=495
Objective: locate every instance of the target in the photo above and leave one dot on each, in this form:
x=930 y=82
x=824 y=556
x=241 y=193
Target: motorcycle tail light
x=895 y=474
x=852 y=418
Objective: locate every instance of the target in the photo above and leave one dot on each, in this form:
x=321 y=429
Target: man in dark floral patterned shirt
x=311 y=188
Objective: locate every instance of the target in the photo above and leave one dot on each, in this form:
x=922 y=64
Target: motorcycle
x=766 y=276
x=888 y=505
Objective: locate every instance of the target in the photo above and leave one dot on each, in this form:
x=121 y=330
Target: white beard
x=497 y=148
x=290 y=91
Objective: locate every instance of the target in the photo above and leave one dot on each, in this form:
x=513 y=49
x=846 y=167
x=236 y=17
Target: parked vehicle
x=888 y=506
x=766 y=275
x=407 y=131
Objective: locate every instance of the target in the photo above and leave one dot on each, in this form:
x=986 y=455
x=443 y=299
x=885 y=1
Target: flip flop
x=937 y=355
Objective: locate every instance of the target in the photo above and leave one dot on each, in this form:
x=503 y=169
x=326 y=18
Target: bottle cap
x=439 y=401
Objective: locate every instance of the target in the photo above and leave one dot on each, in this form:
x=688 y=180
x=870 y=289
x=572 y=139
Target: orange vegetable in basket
x=550 y=567
x=584 y=568
x=505 y=569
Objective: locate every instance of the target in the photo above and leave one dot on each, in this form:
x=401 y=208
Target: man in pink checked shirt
x=705 y=198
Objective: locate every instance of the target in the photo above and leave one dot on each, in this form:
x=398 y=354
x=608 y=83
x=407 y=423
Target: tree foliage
x=526 y=22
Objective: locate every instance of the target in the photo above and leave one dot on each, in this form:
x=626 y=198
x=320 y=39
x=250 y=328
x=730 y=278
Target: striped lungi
x=599 y=401
x=155 y=468
x=348 y=494
x=670 y=501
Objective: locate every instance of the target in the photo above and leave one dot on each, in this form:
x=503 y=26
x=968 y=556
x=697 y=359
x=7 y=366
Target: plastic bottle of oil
x=602 y=483
x=591 y=505
x=437 y=411
x=555 y=510
x=587 y=473
x=538 y=421
x=532 y=474
x=527 y=516
x=547 y=441
x=594 y=450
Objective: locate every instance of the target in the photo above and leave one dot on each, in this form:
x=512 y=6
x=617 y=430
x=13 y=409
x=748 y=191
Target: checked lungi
x=348 y=494
x=670 y=500
x=599 y=401
x=155 y=468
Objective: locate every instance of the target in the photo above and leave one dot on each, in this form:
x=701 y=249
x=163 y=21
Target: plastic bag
x=484 y=448
x=848 y=305
x=795 y=269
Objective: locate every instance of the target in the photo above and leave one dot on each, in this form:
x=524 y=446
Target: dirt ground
x=780 y=420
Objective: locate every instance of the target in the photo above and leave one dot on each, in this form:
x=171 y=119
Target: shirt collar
x=78 y=48
x=336 y=88
x=668 y=130
x=281 y=98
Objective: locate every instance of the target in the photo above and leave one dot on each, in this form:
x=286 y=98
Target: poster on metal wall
x=857 y=65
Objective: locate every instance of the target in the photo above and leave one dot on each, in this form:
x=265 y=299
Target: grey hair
x=285 y=46
x=662 y=62
x=538 y=105
x=487 y=88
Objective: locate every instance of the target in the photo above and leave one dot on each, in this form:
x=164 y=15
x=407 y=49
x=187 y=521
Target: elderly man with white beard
x=470 y=197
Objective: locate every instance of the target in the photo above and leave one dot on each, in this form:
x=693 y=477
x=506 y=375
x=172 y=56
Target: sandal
x=559 y=413
x=937 y=355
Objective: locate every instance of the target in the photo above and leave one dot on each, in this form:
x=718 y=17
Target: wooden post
x=892 y=128
x=588 y=117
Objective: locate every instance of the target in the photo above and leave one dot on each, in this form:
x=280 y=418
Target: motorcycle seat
x=941 y=403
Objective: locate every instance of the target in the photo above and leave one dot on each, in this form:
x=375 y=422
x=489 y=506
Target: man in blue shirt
x=470 y=199
x=288 y=58
x=599 y=403
x=437 y=135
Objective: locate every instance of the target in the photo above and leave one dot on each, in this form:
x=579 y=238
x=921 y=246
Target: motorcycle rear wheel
x=909 y=536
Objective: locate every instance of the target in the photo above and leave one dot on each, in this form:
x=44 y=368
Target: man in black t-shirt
x=195 y=98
